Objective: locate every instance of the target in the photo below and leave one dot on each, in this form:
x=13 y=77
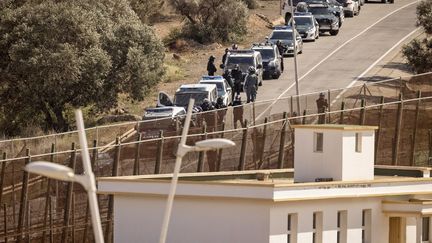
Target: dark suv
x=326 y=18
x=271 y=59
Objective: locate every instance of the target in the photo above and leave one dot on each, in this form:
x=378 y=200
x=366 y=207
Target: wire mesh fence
x=40 y=210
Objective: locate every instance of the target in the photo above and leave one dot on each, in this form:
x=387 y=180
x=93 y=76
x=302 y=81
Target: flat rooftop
x=276 y=185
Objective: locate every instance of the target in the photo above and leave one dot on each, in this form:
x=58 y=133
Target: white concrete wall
x=358 y=165
x=329 y=209
x=309 y=165
x=139 y=219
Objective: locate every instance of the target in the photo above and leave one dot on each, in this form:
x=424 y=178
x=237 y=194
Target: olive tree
x=419 y=52
x=213 y=20
x=55 y=56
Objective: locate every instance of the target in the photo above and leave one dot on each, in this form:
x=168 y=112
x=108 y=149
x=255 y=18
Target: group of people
x=235 y=78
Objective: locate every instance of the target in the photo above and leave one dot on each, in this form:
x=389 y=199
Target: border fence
x=37 y=209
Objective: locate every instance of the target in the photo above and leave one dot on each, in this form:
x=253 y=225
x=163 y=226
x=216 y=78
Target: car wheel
x=334 y=32
x=276 y=76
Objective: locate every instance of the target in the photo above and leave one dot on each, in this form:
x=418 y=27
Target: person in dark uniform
x=211 y=68
x=282 y=50
x=237 y=77
x=322 y=105
x=238 y=111
x=224 y=57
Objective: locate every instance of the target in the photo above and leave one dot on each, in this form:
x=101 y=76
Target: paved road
x=360 y=49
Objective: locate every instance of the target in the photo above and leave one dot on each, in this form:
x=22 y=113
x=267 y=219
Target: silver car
x=285 y=35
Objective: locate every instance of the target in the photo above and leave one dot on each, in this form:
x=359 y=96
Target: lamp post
x=182 y=150
x=87 y=180
x=295 y=58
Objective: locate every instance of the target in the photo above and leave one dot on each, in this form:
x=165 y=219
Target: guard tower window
x=425 y=229
x=358 y=142
x=319 y=142
x=292 y=228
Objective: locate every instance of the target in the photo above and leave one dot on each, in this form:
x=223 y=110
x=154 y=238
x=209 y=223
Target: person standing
x=282 y=50
x=251 y=85
x=211 y=68
x=237 y=76
x=224 y=57
x=322 y=105
x=238 y=111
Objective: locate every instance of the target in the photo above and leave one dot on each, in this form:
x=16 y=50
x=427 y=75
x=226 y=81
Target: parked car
x=351 y=7
x=285 y=35
x=382 y=1
x=271 y=59
x=307 y=26
x=199 y=92
x=174 y=118
x=326 y=18
x=335 y=7
x=245 y=59
x=224 y=90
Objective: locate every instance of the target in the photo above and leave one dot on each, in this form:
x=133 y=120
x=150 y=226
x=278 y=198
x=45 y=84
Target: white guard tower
x=334 y=153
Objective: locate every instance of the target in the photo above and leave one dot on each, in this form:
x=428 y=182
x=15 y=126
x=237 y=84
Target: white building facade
x=285 y=205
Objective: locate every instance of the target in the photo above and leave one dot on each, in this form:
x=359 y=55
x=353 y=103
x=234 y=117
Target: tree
x=213 y=20
x=419 y=52
x=146 y=9
x=55 y=56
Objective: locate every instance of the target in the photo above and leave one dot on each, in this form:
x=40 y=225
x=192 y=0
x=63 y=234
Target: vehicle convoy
x=199 y=92
x=245 y=59
x=307 y=27
x=271 y=59
x=224 y=90
x=334 y=5
x=351 y=7
x=326 y=18
x=285 y=35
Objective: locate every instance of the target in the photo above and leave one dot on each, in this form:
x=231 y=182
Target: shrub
x=213 y=20
x=419 y=52
x=146 y=9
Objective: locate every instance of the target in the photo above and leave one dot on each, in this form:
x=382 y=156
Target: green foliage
x=419 y=52
x=146 y=9
x=424 y=15
x=213 y=20
x=419 y=55
x=56 y=56
x=251 y=4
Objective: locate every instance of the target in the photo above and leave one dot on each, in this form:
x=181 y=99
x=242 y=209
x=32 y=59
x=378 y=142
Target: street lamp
x=295 y=58
x=182 y=150
x=87 y=180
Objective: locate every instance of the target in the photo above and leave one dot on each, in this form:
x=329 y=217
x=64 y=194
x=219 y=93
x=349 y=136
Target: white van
x=199 y=92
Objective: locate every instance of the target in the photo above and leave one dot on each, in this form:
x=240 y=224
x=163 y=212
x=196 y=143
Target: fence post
x=378 y=131
x=5 y=223
x=201 y=155
x=341 y=118
x=243 y=146
x=219 y=161
x=304 y=117
x=291 y=106
x=137 y=155
x=413 y=144
x=430 y=148
x=51 y=237
x=23 y=201
x=47 y=195
x=159 y=153
x=111 y=197
x=261 y=159
x=362 y=111
x=329 y=106
x=2 y=176
x=398 y=130
x=282 y=142
x=68 y=202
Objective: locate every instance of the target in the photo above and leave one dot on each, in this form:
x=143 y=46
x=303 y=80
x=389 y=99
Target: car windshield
x=281 y=35
x=219 y=87
x=182 y=99
x=303 y=21
x=267 y=54
x=243 y=62
x=317 y=11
